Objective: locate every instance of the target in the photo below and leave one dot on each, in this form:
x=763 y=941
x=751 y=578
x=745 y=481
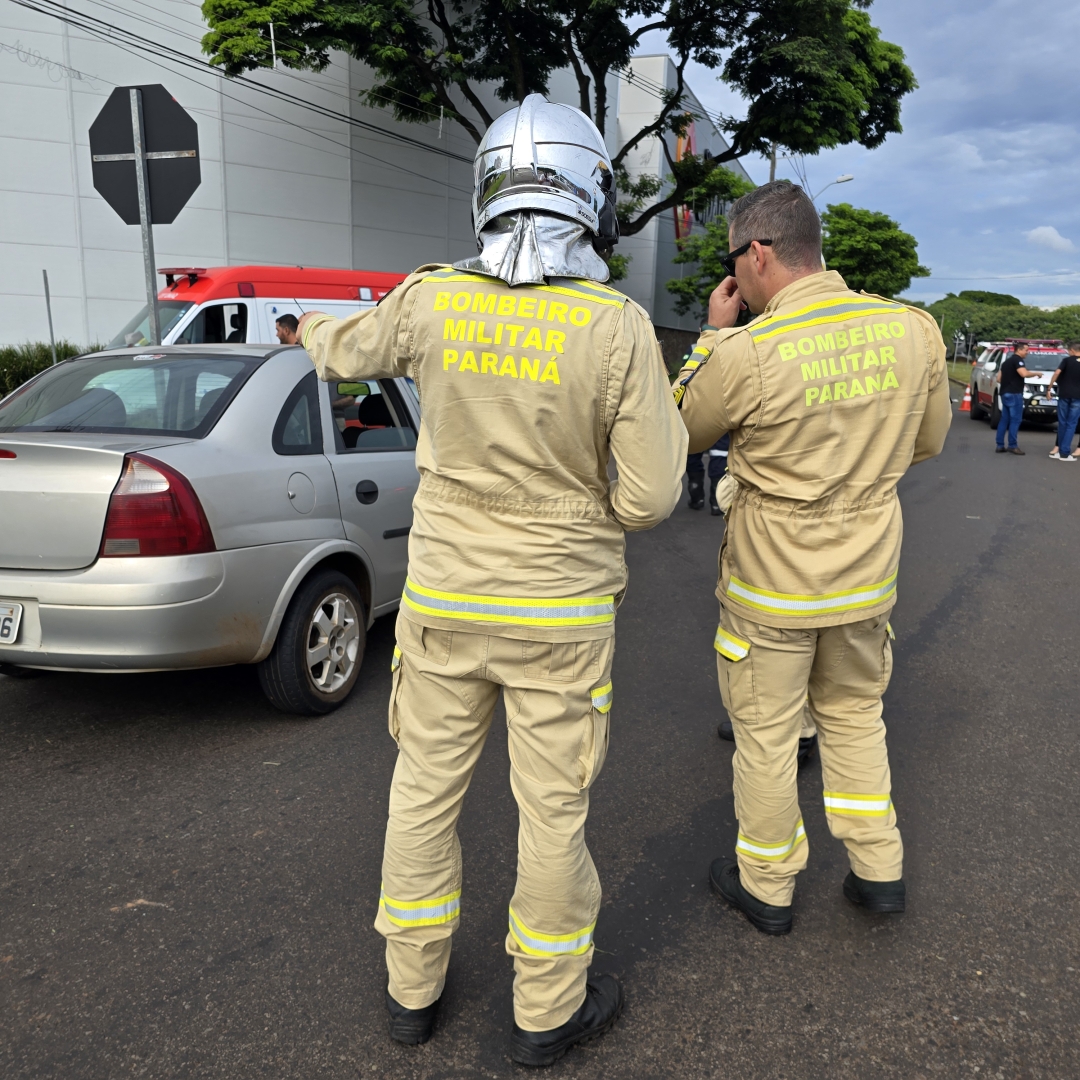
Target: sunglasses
x=728 y=261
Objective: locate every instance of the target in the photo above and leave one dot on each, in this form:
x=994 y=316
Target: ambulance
x=203 y=306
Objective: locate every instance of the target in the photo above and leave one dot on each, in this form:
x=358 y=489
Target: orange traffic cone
x=965 y=405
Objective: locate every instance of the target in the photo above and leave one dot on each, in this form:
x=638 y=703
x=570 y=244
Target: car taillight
x=154 y=511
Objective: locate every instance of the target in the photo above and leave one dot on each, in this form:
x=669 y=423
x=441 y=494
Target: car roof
x=262 y=351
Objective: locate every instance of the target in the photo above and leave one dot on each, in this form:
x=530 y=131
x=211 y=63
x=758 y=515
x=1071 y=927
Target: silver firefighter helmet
x=548 y=157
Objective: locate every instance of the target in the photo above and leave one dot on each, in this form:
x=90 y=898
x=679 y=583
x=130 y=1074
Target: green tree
x=995 y=299
x=814 y=73
x=869 y=250
x=994 y=322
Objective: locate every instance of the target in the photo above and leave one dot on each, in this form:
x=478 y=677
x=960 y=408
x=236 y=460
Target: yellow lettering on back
x=461 y=301
x=468 y=362
x=811 y=394
x=855 y=390
x=870 y=359
x=872 y=384
x=896 y=329
x=551 y=373
x=508 y=367
x=856 y=336
x=833 y=369
x=888 y=353
x=540 y=305
x=579 y=316
x=480 y=328
x=453 y=329
x=555 y=340
x=526 y=307
x=839 y=391
x=881 y=331
x=811 y=371
x=556 y=312
x=449 y=356
x=889 y=380
x=842 y=339
x=484 y=303
x=854 y=358
x=824 y=342
x=514 y=329
x=442 y=301
x=532 y=340
x=787 y=350
x=489 y=364
x=826 y=394
x=530 y=368
x=507 y=304
x=806 y=346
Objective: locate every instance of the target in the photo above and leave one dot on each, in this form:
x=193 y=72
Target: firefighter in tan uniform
x=531 y=375
x=829 y=396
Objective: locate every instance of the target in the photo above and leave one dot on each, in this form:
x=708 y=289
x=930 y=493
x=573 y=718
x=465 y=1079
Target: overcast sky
x=987 y=171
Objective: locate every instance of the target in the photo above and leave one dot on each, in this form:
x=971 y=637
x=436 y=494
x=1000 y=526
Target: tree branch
x=674 y=98
x=437 y=14
x=579 y=73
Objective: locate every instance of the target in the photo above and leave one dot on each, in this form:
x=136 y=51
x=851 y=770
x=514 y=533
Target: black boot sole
x=540 y=1059
x=766 y=926
x=876 y=907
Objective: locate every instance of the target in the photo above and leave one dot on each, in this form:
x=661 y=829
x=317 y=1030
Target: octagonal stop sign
x=172 y=154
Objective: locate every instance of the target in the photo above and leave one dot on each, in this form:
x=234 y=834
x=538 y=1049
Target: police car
x=1040 y=402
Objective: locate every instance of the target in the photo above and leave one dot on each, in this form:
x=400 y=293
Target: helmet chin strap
x=526 y=247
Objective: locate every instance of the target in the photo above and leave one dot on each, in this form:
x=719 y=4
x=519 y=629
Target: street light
x=839 y=180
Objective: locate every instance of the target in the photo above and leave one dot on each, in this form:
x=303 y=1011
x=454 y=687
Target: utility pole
x=48 y=311
x=772 y=163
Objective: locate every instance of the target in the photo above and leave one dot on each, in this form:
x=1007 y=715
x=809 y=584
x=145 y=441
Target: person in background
x=285 y=328
x=1067 y=378
x=1011 y=377
x=695 y=475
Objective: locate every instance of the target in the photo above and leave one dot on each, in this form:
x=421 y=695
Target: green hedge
x=21 y=362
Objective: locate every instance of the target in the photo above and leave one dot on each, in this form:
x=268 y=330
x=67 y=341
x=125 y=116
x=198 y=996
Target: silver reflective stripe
x=532 y=941
x=730 y=646
x=825 y=312
x=793 y=604
x=580 y=611
x=440 y=909
x=772 y=852
x=602 y=697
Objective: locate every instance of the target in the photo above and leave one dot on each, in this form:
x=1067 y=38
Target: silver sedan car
x=185 y=507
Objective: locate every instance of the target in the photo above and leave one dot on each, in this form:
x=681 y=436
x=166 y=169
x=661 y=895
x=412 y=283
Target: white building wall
x=280 y=184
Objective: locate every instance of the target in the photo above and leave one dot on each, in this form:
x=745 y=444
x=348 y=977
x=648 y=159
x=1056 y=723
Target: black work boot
x=601 y=1008
x=410 y=1026
x=724 y=881
x=714 y=506
x=726 y=730
x=876 y=896
x=807 y=749
x=695 y=488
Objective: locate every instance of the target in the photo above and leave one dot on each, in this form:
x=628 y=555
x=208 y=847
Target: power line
x=101 y=28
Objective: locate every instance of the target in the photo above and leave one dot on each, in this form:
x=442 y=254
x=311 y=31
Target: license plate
x=10 y=617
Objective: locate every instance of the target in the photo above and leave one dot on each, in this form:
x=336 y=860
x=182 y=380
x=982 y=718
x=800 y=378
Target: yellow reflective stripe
x=827 y=603
x=845 y=802
x=734 y=648
x=574 y=611
x=318 y=320
x=602 y=697
x=889 y=630
x=433 y=912
x=771 y=852
x=693 y=365
x=581 y=292
x=536 y=944
x=824 y=311
x=396 y=662
x=700 y=349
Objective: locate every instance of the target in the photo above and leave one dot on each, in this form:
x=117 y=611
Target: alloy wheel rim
x=333 y=643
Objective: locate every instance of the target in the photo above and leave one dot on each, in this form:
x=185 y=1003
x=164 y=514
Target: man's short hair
x=290 y=322
x=1073 y=345
x=1020 y=345
x=781 y=212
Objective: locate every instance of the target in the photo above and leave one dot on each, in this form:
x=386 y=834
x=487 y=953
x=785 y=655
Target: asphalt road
x=188 y=879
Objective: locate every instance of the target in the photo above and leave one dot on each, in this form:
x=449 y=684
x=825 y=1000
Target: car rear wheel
x=319 y=649
x=995 y=412
x=977 y=411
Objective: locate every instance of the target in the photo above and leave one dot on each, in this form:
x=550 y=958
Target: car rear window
x=144 y=394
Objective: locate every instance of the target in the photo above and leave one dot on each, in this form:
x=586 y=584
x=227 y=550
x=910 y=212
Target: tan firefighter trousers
x=557 y=698
x=767 y=676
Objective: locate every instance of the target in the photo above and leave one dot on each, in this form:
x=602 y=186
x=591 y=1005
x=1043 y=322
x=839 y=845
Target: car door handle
x=367 y=491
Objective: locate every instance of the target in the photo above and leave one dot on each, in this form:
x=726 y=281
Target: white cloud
x=1047 y=236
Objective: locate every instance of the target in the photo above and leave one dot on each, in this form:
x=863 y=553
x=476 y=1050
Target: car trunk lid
x=54 y=495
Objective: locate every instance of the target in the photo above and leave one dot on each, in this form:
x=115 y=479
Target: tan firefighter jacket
x=829 y=395
x=525 y=392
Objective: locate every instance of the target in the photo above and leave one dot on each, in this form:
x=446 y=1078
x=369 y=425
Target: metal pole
x=138 y=130
x=273 y=46
x=48 y=311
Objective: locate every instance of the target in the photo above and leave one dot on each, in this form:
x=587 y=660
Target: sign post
x=145 y=156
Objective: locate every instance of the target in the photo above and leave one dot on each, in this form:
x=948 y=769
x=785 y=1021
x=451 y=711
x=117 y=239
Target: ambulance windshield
x=137 y=332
